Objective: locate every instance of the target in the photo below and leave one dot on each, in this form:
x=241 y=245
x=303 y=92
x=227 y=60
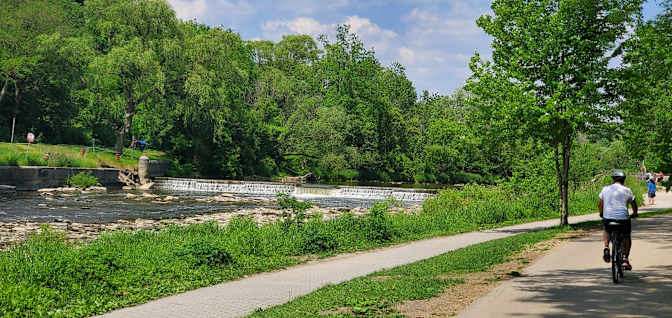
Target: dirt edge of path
x=456 y=298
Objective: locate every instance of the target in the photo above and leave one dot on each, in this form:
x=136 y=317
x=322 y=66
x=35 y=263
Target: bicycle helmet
x=618 y=175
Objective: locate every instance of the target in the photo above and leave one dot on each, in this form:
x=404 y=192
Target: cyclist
x=613 y=206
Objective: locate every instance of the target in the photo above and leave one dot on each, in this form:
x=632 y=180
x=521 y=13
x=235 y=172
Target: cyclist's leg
x=627 y=231
x=605 y=232
x=606 y=238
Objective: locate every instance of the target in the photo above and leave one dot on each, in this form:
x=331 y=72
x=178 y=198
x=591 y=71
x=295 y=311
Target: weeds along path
x=241 y=297
x=573 y=280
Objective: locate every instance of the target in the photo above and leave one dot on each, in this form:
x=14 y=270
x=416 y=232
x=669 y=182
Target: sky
x=433 y=39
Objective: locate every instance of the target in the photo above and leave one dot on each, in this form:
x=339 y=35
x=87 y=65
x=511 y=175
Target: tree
x=647 y=91
x=21 y=60
x=549 y=75
x=126 y=73
x=122 y=80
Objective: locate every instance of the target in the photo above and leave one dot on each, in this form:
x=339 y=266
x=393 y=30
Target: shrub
x=297 y=209
x=82 y=180
x=60 y=160
x=317 y=236
x=204 y=252
x=378 y=226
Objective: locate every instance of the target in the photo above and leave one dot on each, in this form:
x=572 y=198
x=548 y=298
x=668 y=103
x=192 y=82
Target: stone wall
x=33 y=178
x=158 y=168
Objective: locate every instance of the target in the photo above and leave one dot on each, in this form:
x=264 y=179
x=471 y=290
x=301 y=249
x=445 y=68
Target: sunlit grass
x=69 y=156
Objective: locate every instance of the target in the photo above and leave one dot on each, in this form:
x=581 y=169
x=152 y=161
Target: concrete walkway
x=241 y=297
x=573 y=280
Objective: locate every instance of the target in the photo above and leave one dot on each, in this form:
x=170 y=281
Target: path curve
x=573 y=281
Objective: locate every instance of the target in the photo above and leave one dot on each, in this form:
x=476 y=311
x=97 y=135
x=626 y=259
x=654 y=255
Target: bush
x=202 y=252
x=378 y=226
x=318 y=237
x=82 y=180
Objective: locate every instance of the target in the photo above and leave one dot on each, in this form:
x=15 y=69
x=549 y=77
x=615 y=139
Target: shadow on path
x=644 y=293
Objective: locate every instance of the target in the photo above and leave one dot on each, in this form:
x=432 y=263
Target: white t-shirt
x=616 y=198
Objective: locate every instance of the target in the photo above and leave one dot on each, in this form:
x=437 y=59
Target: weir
x=297 y=190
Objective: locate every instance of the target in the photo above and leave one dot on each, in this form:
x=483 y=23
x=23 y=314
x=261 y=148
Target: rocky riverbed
x=17 y=231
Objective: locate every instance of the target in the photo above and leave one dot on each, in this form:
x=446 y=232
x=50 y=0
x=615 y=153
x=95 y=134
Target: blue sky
x=433 y=39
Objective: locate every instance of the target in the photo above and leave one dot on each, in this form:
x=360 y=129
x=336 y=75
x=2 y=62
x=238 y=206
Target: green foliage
x=375 y=295
x=47 y=274
x=69 y=156
x=378 y=226
x=204 y=253
x=225 y=107
x=550 y=77
x=645 y=84
x=81 y=180
x=285 y=201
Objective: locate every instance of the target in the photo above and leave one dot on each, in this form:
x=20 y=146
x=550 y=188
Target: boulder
x=45 y=190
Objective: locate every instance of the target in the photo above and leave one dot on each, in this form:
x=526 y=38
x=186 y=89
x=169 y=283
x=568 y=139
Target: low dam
x=297 y=190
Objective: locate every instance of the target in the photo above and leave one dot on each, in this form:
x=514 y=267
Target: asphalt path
x=574 y=281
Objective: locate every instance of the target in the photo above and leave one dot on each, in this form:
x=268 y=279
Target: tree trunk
x=558 y=172
x=125 y=128
x=4 y=89
x=17 y=101
x=566 y=153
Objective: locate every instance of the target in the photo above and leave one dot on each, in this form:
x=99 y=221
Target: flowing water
x=115 y=205
x=299 y=191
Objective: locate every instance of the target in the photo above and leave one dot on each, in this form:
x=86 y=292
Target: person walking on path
x=613 y=207
x=652 y=191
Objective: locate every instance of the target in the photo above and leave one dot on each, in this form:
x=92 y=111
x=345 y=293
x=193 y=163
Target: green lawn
x=374 y=295
x=69 y=156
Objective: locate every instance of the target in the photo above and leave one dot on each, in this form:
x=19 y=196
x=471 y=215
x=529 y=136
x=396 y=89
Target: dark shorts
x=627 y=224
x=652 y=194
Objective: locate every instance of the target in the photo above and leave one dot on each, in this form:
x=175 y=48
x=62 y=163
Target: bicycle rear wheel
x=616 y=259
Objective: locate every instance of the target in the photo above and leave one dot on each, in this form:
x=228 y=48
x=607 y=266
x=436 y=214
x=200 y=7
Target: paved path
x=241 y=297
x=573 y=280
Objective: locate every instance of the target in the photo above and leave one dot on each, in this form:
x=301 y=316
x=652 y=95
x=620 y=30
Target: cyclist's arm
x=634 y=209
x=600 y=207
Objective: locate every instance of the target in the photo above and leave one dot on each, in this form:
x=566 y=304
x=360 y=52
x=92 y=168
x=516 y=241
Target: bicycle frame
x=617 y=238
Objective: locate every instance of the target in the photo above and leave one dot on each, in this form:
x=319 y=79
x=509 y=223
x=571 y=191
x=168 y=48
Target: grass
x=82 y=180
x=69 y=156
x=374 y=295
x=46 y=276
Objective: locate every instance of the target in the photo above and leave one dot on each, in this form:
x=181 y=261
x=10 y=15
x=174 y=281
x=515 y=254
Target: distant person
x=142 y=144
x=651 y=186
x=613 y=206
x=660 y=177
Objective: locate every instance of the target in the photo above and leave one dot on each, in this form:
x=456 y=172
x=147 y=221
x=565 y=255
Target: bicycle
x=617 y=240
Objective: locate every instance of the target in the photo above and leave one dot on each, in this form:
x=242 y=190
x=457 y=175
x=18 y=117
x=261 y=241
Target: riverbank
x=12 y=233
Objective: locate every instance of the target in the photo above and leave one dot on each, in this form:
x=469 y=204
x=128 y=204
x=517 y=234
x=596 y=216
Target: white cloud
x=370 y=33
x=189 y=9
x=426 y=24
x=373 y=35
x=434 y=40
x=199 y=9
x=274 y=29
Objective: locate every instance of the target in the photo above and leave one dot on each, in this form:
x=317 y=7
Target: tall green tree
x=549 y=74
x=647 y=91
x=22 y=62
x=126 y=73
